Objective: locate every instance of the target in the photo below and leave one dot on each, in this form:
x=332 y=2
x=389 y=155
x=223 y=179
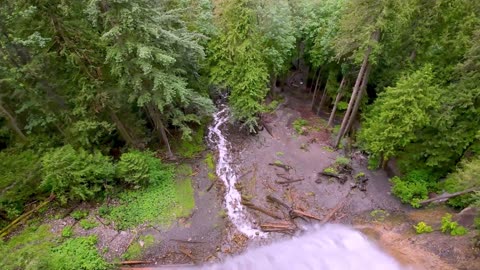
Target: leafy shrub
x=19 y=179
x=67 y=231
x=373 y=162
x=77 y=253
x=79 y=214
x=75 y=174
x=413 y=187
x=465 y=177
x=190 y=147
x=330 y=170
x=140 y=168
x=342 y=161
x=299 y=124
x=422 y=227
x=342 y=105
x=27 y=250
x=451 y=226
x=133 y=167
x=88 y=224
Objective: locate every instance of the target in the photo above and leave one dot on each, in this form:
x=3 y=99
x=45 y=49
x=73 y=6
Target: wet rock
x=467 y=216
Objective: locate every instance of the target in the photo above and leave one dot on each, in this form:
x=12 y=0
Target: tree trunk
x=362 y=91
x=122 y=130
x=337 y=99
x=356 y=89
x=157 y=121
x=323 y=99
x=316 y=88
x=12 y=122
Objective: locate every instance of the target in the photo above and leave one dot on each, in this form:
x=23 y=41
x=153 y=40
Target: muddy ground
x=374 y=211
x=208 y=236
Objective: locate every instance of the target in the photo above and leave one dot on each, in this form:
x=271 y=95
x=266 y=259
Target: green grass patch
x=160 y=203
x=342 y=161
x=79 y=214
x=280 y=154
x=328 y=148
x=330 y=170
x=210 y=162
x=87 y=224
x=135 y=250
x=67 y=232
x=299 y=124
x=37 y=248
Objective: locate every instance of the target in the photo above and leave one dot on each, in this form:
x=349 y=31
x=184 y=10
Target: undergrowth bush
x=19 y=179
x=36 y=248
x=75 y=174
x=414 y=187
x=77 y=253
x=422 y=227
x=190 y=148
x=299 y=124
x=452 y=227
x=161 y=202
x=139 y=168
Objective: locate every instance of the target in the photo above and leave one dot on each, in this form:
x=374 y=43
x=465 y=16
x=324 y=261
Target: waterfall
x=235 y=210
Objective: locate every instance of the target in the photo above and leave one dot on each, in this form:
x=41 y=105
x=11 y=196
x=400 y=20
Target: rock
x=467 y=216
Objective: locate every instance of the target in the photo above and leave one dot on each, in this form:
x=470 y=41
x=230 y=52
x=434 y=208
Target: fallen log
x=289 y=180
x=5 y=231
x=267 y=128
x=330 y=174
x=135 y=262
x=281 y=165
x=447 y=196
x=212 y=184
x=272 y=199
x=187 y=253
x=303 y=214
x=293 y=213
x=334 y=210
x=262 y=210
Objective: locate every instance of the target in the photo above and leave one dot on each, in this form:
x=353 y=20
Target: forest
x=103 y=99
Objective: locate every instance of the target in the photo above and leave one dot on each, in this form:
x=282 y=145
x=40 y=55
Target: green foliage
x=189 y=148
x=87 y=224
x=360 y=174
x=75 y=174
x=79 y=214
x=414 y=186
x=330 y=170
x=162 y=201
x=408 y=191
x=373 y=162
x=251 y=45
x=452 y=227
x=342 y=105
x=141 y=168
x=77 y=253
x=279 y=154
x=134 y=251
x=299 y=124
x=342 y=161
x=19 y=179
x=67 y=231
x=392 y=122
x=422 y=227
x=476 y=223
x=29 y=250
x=379 y=214
x=465 y=177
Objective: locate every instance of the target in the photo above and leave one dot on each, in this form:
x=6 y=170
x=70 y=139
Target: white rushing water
x=329 y=247
x=235 y=210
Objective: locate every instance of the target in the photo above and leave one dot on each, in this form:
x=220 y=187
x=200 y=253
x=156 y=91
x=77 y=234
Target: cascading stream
x=235 y=210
